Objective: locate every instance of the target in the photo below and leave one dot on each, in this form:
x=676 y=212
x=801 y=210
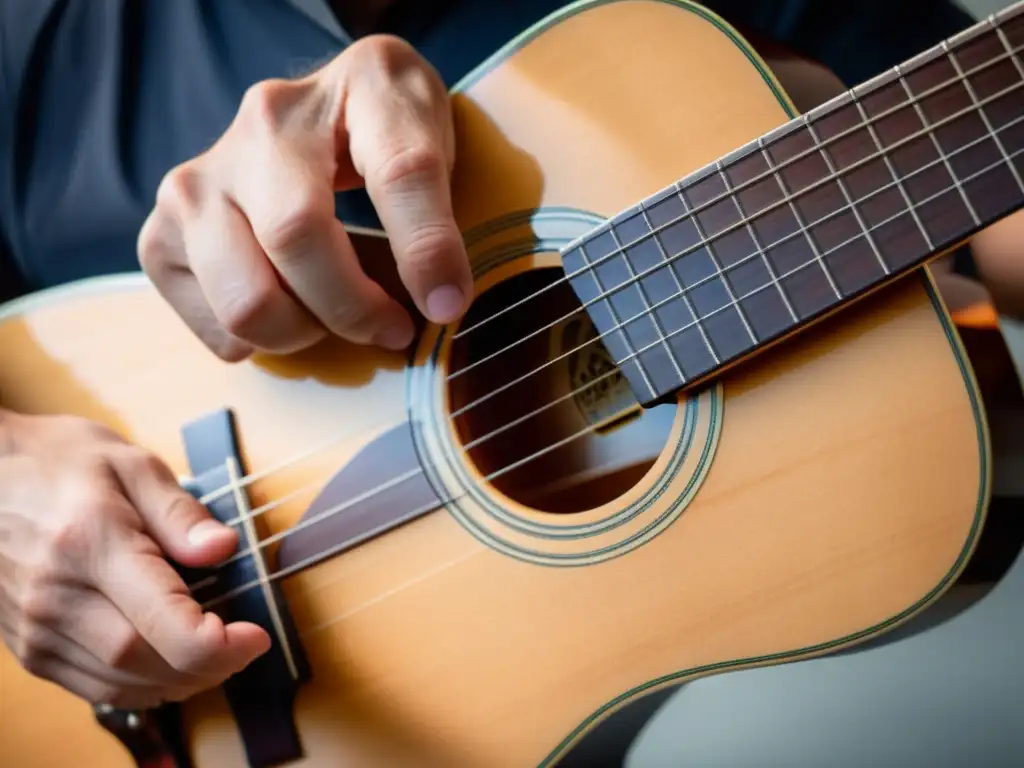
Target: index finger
x=401 y=143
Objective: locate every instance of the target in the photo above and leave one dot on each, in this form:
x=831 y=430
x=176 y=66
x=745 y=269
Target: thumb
x=183 y=527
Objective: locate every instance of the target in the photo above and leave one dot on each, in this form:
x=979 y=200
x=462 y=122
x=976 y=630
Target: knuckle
x=389 y=56
x=71 y=535
x=430 y=246
x=143 y=463
x=180 y=190
x=227 y=348
x=33 y=653
x=242 y=311
x=186 y=654
x=294 y=225
x=182 y=511
x=119 y=646
x=265 y=103
x=383 y=46
x=39 y=607
x=415 y=163
x=84 y=516
x=355 y=321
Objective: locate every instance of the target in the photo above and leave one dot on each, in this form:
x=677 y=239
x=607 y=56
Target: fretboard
x=810 y=216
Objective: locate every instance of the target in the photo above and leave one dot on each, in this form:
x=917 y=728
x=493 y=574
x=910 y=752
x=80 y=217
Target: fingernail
x=200 y=533
x=444 y=303
x=396 y=337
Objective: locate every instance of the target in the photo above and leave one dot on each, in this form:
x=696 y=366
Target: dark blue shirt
x=100 y=98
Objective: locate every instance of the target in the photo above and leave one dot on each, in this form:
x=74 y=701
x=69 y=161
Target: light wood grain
x=844 y=489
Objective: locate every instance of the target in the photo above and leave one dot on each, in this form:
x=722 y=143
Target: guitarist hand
x=244 y=243
x=87 y=598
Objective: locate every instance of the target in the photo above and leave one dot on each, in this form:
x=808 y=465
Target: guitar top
x=706 y=412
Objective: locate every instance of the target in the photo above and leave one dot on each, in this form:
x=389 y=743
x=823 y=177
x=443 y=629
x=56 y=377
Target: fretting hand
x=88 y=599
x=244 y=242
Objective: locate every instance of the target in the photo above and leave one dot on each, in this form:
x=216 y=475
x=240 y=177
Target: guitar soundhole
x=539 y=406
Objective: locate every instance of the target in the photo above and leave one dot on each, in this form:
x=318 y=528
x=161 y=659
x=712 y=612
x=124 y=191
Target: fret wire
x=846 y=194
x=888 y=162
x=619 y=324
x=802 y=231
x=282 y=573
x=843 y=244
x=984 y=116
x=649 y=310
x=1010 y=50
x=938 y=147
x=820 y=182
x=790 y=236
x=750 y=182
x=718 y=266
x=803 y=228
x=676 y=185
x=757 y=241
x=682 y=292
x=1012 y=53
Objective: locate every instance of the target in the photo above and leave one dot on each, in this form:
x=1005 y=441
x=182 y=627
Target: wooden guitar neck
x=811 y=216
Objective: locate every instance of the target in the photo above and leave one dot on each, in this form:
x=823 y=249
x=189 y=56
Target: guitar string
x=900 y=71
x=579 y=390
x=816 y=149
x=799 y=232
x=743 y=221
x=531 y=457
x=320 y=517
x=756 y=255
x=295 y=492
x=405 y=517
x=409 y=474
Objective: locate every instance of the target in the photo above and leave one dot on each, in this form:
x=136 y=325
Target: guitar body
x=812 y=498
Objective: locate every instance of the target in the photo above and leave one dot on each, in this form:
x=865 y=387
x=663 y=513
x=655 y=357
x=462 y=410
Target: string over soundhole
x=538 y=404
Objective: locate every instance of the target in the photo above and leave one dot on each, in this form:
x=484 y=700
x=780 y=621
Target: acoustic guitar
x=707 y=411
